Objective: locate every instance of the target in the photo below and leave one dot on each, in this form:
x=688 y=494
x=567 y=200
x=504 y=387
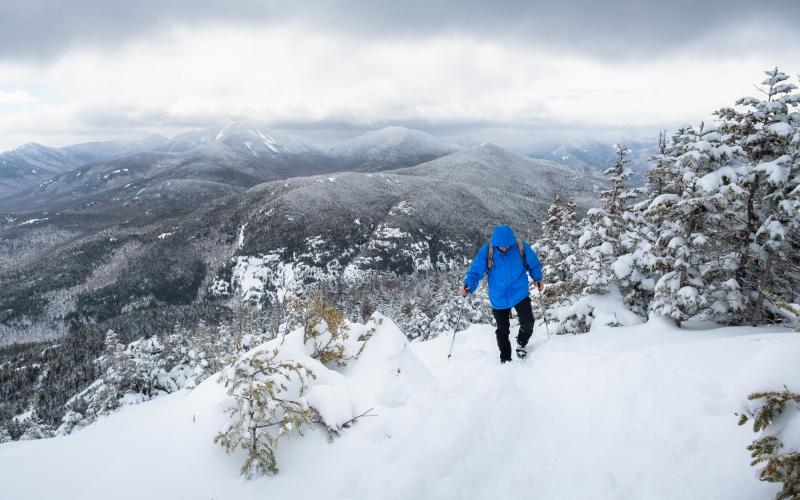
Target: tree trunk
x=748 y=260
x=760 y=297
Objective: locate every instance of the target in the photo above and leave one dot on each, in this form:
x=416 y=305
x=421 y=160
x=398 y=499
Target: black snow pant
x=502 y=316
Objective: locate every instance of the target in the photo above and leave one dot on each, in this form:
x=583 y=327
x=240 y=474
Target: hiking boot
x=503 y=361
x=521 y=351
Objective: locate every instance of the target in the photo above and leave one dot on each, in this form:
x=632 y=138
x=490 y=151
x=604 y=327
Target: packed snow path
x=622 y=413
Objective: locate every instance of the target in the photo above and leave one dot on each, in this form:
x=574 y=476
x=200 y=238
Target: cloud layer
x=612 y=28
x=85 y=70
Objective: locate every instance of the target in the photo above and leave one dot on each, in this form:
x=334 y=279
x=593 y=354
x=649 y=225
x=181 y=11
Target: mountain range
x=197 y=219
x=195 y=167
x=194 y=227
x=32 y=164
x=596 y=156
x=200 y=165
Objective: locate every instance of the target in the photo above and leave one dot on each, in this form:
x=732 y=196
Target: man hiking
x=507 y=260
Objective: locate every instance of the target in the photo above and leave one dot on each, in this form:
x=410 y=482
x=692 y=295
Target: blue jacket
x=508 y=280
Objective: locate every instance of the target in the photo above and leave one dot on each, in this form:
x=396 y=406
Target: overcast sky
x=514 y=72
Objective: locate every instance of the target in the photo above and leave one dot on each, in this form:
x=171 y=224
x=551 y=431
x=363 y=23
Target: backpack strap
x=489 y=257
x=522 y=253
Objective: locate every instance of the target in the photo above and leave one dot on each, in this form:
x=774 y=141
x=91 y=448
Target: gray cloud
x=625 y=29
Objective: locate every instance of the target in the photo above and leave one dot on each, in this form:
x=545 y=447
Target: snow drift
x=645 y=411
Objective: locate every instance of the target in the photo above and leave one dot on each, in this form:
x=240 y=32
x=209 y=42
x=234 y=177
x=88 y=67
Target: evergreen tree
x=269 y=391
x=33 y=427
x=617 y=197
x=566 y=239
x=656 y=177
x=458 y=313
x=325 y=331
x=765 y=130
x=771 y=412
x=268 y=405
x=548 y=246
x=601 y=254
x=609 y=238
x=558 y=265
x=665 y=176
x=414 y=322
x=686 y=219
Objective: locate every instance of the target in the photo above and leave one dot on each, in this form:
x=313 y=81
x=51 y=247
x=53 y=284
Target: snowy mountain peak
x=31 y=147
x=391 y=147
x=489 y=148
x=246 y=137
x=392 y=137
x=486 y=153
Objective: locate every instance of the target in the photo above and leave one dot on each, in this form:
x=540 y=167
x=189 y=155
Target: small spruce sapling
x=269 y=391
x=325 y=330
x=779 y=464
x=268 y=405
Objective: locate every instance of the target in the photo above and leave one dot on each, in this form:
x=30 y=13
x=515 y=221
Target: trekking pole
x=488 y=308
x=544 y=314
x=463 y=306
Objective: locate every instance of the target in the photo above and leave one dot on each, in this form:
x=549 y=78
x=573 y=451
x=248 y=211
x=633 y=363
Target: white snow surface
x=645 y=411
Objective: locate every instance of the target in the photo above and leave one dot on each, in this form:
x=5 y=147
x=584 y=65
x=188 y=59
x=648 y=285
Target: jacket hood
x=503 y=236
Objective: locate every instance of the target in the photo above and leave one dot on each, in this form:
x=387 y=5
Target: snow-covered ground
x=641 y=412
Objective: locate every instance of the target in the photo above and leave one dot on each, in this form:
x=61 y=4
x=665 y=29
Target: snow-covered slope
x=373 y=223
x=496 y=167
x=595 y=156
x=33 y=164
x=249 y=138
x=388 y=148
x=187 y=171
x=619 y=413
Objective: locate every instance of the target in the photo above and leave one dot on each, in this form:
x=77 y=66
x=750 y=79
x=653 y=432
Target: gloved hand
x=464 y=290
x=540 y=286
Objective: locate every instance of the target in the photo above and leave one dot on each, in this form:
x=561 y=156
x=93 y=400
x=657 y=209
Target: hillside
x=389 y=148
x=595 y=156
x=191 y=169
x=491 y=165
x=631 y=413
x=178 y=175
x=33 y=164
x=351 y=225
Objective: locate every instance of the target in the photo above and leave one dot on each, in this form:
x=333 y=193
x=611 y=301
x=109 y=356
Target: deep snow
x=626 y=413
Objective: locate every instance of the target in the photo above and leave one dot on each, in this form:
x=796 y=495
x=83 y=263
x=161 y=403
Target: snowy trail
x=624 y=413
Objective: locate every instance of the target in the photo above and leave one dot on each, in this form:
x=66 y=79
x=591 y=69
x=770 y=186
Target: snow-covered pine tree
x=686 y=220
x=609 y=241
x=655 y=176
x=413 y=321
x=601 y=255
x=617 y=197
x=457 y=313
x=766 y=130
x=132 y=374
x=119 y=370
x=451 y=312
x=32 y=427
x=664 y=175
x=192 y=355
x=549 y=248
x=560 y=241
